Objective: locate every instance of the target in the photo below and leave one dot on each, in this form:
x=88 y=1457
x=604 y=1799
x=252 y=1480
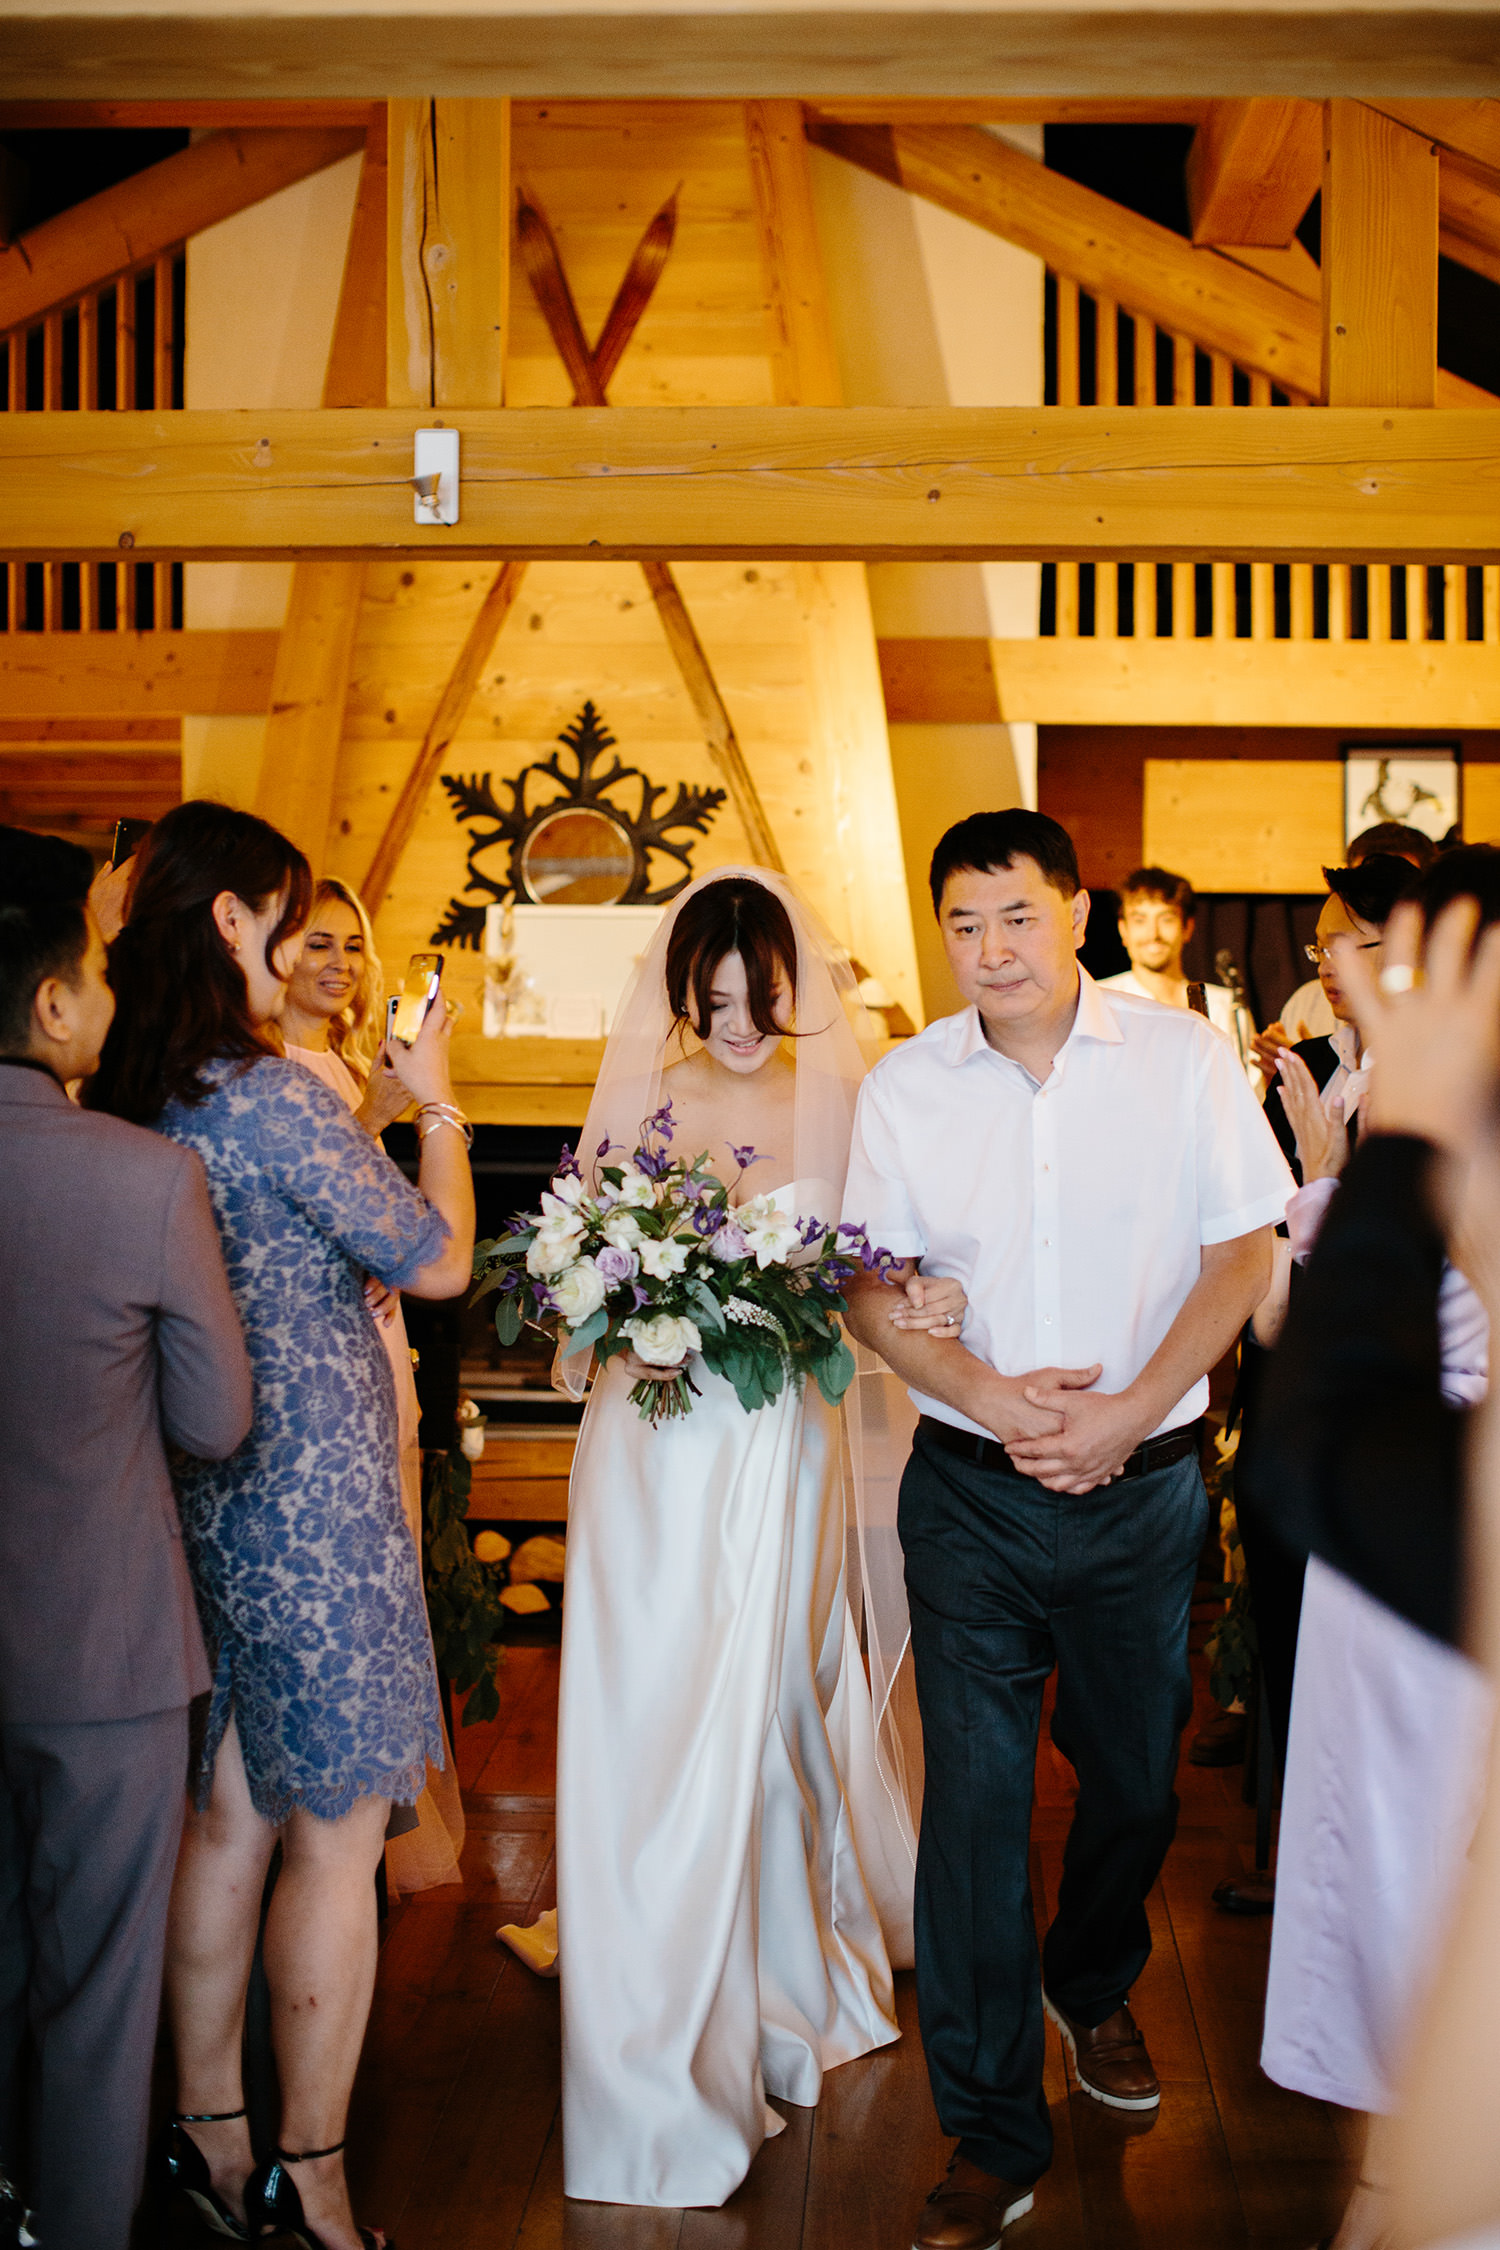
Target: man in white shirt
x=1096 y=1171
x=1158 y=913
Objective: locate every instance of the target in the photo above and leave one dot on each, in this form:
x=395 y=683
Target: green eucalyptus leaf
x=588 y=1332
x=509 y=1318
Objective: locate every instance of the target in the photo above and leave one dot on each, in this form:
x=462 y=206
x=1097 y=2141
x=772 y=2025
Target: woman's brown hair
x=180 y=998
x=736 y=916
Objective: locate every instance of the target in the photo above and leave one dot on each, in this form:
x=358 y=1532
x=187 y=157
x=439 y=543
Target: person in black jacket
x=1358 y=1464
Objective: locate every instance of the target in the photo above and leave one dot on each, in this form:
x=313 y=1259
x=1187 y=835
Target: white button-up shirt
x=1074 y=1212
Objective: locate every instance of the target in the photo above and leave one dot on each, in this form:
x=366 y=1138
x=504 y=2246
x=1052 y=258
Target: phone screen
x=408 y=1010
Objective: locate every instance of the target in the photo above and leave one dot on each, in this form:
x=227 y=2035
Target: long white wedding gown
x=718 y=1800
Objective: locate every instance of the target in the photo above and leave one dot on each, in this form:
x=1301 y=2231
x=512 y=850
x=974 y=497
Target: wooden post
x=310 y=687
x=861 y=885
x=1067 y=395
x=1380 y=261
x=804 y=370
x=448 y=252
x=1184 y=579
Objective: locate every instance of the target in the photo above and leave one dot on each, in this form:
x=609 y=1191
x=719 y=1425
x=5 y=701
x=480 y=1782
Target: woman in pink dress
x=332 y=1025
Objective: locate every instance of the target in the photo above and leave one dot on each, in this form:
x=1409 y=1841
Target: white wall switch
x=435 y=477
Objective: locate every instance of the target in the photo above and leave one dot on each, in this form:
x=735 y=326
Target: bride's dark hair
x=180 y=997
x=736 y=916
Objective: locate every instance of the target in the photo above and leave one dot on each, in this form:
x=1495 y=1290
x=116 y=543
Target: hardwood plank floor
x=455 y=2137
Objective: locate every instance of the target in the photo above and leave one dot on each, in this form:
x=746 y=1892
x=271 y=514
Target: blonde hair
x=358 y=1028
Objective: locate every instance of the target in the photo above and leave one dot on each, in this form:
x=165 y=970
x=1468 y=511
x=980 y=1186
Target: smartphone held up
x=406 y=1011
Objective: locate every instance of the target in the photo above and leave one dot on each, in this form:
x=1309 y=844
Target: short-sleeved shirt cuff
x=1269 y=1211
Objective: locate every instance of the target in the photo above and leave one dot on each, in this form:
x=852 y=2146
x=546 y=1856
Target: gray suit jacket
x=117 y=1335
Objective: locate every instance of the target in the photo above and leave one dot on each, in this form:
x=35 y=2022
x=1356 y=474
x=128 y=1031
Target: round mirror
x=577 y=858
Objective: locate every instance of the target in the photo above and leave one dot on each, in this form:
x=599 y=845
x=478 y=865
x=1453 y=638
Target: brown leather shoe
x=1110 y=2061
x=969 y=2209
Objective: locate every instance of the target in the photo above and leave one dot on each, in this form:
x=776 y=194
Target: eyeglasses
x=1320 y=953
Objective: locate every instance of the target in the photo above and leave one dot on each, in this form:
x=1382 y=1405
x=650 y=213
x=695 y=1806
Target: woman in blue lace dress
x=324 y=1708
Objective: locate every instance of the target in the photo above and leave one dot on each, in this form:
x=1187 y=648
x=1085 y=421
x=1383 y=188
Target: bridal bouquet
x=657 y=1260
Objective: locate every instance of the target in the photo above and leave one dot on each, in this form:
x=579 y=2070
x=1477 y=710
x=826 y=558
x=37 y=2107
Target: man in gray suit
x=118 y=1337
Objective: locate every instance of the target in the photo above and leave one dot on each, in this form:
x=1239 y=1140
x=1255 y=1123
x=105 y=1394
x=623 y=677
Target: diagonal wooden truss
x=589 y=372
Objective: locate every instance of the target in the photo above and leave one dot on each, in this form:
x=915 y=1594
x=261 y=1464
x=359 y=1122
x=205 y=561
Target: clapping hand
x=1322 y=1140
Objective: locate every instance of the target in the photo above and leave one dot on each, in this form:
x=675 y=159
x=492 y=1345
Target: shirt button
x=1046 y=1320
x=1046 y=1242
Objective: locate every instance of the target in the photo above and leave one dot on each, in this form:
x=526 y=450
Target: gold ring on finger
x=1397 y=977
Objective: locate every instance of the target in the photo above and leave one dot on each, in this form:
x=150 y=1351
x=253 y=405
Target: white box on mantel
x=579 y=960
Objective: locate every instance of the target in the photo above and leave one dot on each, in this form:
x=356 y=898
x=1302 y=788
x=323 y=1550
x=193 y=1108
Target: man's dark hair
x=1393 y=836
x=988 y=841
x=1468 y=871
x=1161 y=883
x=44 y=883
x=1373 y=890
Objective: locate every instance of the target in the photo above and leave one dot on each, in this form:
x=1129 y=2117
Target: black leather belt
x=989 y=1453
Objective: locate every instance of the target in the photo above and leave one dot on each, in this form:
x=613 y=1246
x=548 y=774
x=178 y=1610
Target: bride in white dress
x=734 y=1845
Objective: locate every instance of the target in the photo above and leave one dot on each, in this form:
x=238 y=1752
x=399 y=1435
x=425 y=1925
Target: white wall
x=929 y=310
x=262 y=296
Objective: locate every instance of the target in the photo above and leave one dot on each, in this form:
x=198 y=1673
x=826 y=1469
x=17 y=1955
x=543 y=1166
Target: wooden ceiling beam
x=99 y=677
x=1380 y=260
x=156 y=209
x=190 y=116
x=1252 y=171
x=553 y=49
x=863 y=483
x=997 y=109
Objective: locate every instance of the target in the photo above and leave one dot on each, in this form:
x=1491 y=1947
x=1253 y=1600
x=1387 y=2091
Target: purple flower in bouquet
x=567 y=1165
x=707 y=1219
x=729 y=1243
x=616 y=1265
x=745 y=1156
x=603 y=1149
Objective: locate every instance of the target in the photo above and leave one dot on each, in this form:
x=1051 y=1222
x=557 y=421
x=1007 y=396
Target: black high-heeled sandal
x=274 y=2205
x=177 y=2162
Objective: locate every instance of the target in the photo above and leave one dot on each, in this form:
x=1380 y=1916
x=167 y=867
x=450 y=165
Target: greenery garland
x=463 y=1602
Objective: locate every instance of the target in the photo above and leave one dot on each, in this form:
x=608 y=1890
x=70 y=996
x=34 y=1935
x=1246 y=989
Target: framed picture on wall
x=1415 y=783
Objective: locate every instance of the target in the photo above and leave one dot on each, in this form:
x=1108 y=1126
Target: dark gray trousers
x=1006 y=1580
x=90 y=1819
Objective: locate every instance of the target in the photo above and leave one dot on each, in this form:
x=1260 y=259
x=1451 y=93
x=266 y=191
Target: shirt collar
x=1344 y=1040
x=1095 y=1019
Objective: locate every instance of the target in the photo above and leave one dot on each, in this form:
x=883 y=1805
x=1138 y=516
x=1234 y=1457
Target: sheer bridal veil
x=836 y=1044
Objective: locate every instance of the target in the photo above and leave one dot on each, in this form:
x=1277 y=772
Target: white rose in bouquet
x=623 y=1229
x=662 y=1341
x=555 y=1246
x=578 y=1292
x=771 y=1232
x=662 y=1259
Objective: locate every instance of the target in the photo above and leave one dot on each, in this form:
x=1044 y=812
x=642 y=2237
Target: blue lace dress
x=307 y=1580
